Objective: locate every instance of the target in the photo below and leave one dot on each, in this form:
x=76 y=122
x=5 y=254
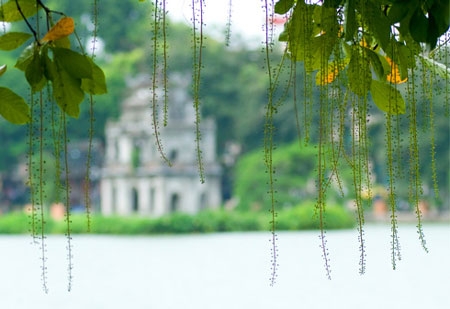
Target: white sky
x=247 y=17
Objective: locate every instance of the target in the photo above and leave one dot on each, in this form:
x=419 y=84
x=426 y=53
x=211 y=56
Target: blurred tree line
x=234 y=90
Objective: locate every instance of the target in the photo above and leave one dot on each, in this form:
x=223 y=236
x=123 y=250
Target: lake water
x=229 y=271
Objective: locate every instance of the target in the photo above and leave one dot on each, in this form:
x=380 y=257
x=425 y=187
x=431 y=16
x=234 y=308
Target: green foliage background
x=211 y=221
x=234 y=91
x=296 y=167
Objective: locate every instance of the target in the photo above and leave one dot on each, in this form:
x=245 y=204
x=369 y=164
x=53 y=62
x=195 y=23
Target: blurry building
x=79 y=183
x=14 y=187
x=136 y=180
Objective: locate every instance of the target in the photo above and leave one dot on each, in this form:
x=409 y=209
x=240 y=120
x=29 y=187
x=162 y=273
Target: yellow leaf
x=394 y=77
x=364 y=43
x=328 y=74
x=340 y=31
x=64 y=27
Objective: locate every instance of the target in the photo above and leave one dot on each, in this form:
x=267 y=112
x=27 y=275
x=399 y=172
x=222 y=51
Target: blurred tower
x=136 y=180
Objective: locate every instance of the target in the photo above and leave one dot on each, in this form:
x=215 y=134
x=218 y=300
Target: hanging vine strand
x=87 y=179
x=159 y=30
x=198 y=7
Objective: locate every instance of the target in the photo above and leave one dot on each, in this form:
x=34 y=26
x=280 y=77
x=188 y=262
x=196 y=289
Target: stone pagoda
x=135 y=178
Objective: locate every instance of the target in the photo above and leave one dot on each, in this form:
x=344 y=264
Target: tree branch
x=27 y=22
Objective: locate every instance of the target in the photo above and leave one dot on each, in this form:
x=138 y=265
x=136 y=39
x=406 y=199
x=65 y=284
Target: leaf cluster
x=47 y=62
x=375 y=42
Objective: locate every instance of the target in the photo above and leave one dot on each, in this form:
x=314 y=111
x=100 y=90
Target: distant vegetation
x=295 y=218
x=295 y=170
x=234 y=92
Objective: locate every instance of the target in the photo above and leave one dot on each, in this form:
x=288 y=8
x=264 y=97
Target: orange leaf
x=340 y=31
x=394 y=77
x=364 y=43
x=328 y=74
x=64 y=27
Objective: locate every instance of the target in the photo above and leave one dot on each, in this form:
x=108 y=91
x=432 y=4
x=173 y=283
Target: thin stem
x=228 y=25
x=67 y=203
x=269 y=145
x=27 y=22
x=155 y=70
x=87 y=178
x=198 y=44
x=46 y=9
x=41 y=191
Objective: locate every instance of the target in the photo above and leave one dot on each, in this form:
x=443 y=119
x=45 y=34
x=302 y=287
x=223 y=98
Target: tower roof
x=139 y=104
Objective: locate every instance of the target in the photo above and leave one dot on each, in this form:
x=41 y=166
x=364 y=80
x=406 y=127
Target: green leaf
x=319 y=54
x=96 y=84
x=283 y=6
x=397 y=12
x=298 y=29
x=440 y=13
x=34 y=73
x=406 y=59
x=13 y=107
x=332 y=3
x=67 y=91
x=378 y=23
x=62 y=42
x=387 y=98
x=25 y=57
x=12 y=40
x=375 y=62
x=386 y=67
x=75 y=64
x=359 y=75
x=49 y=67
x=3 y=69
x=10 y=13
x=315 y=53
x=350 y=25
x=326 y=21
x=418 y=26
